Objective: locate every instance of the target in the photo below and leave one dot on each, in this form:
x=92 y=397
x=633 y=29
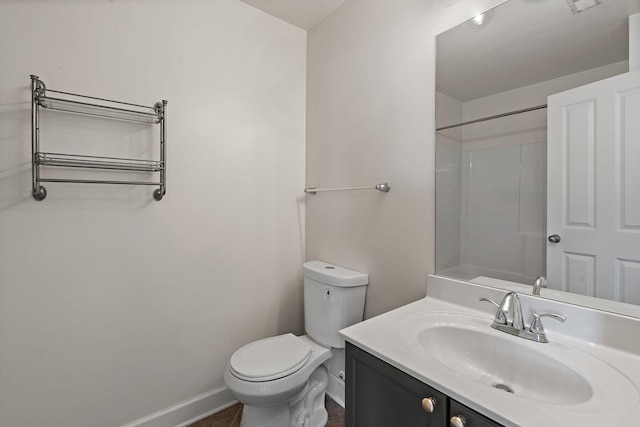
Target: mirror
x=494 y=75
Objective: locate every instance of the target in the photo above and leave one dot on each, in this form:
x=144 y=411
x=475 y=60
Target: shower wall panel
x=503 y=210
x=448 y=206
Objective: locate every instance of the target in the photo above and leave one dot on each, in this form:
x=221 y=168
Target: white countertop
x=392 y=338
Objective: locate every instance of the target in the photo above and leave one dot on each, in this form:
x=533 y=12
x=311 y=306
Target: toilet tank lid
x=333 y=274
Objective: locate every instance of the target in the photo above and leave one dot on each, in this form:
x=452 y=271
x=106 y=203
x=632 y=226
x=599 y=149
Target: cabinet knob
x=429 y=404
x=458 y=421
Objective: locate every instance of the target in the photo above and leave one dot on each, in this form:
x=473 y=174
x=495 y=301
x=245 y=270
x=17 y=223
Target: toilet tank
x=333 y=299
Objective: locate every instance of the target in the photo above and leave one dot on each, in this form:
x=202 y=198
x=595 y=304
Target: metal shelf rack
x=97 y=107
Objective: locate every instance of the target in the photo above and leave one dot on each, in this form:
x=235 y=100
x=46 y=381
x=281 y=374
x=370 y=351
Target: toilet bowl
x=282 y=380
x=273 y=370
x=276 y=392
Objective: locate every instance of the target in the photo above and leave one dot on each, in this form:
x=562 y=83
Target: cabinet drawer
x=471 y=417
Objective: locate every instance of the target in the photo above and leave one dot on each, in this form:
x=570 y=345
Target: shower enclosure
x=490 y=193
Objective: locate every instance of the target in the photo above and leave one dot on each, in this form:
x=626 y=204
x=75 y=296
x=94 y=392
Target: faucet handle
x=491 y=301
x=536 y=324
x=500 y=316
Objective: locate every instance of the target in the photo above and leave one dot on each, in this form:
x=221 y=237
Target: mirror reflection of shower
x=490 y=191
x=491 y=194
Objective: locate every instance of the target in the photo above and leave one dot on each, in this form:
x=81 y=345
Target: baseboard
x=189 y=411
x=335 y=389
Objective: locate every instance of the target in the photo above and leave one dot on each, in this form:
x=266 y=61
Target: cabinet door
x=379 y=395
x=471 y=417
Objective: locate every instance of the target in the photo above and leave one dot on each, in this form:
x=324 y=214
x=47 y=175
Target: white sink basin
x=588 y=374
x=467 y=348
x=505 y=364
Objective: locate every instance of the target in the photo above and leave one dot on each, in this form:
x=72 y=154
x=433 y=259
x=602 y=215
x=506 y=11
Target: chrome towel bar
x=384 y=187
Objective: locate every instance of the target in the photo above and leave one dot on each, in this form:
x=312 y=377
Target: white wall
x=531 y=125
x=114 y=306
x=634 y=42
x=370 y=119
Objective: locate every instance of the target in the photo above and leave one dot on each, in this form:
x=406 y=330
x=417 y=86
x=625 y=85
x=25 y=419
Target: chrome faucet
x=509 y=319
x=509 y=311
x=541 y=282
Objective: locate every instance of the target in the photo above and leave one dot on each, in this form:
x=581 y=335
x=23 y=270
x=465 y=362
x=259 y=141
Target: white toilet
x=282 y=380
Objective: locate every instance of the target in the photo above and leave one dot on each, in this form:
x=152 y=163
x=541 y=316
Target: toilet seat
x=270 y=358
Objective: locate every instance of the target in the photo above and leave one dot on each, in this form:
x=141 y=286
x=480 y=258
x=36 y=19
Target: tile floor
x=231 y=416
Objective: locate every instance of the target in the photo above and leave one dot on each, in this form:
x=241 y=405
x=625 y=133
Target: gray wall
x=370 y=118
x=112 y=305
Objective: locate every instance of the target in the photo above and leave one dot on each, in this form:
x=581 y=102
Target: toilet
x=282 y=380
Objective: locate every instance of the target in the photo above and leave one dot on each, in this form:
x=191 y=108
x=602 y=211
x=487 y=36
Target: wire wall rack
x=68 y=102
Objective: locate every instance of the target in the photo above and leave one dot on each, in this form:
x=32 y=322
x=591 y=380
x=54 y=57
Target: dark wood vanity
x=380 y=395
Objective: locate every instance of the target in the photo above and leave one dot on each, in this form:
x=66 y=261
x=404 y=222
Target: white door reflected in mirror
x=593 y=201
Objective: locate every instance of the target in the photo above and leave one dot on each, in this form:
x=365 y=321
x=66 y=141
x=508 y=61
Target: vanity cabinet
x=380 y=395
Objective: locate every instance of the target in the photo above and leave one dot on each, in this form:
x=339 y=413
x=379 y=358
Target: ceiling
x=304 y=14
x=524 y=42
x=529 y=41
